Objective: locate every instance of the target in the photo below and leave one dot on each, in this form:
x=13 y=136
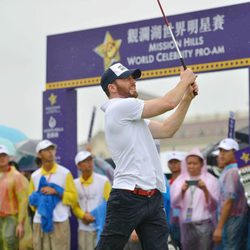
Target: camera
x=192 y=182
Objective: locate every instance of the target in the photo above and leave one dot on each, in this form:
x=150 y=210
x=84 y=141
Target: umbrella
x=243 y=135
x=103 y=167
x=27 y=147
x=12 y=134
x=9 y=145
x=27 y=163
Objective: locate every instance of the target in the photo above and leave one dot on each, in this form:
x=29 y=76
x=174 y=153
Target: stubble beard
x=127 y=93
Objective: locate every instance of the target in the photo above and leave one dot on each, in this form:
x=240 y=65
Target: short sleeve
x=130 y=109
x=231 y=183
x=147 y=121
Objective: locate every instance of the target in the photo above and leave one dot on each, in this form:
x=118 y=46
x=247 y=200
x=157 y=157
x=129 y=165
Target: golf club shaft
x=172 y=35
x=173 y=38
x=91 y=124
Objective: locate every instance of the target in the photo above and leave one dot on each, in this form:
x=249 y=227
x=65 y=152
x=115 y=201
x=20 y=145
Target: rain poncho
x=196 y=214
x=234 y=234
x=13 y=208
x=13 y=194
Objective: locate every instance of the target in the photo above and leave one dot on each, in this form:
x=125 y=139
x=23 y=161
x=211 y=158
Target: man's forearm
x=175 y=95
x=169 y=101
x=173 y=123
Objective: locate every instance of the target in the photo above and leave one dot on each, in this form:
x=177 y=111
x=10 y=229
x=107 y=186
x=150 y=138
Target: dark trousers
x=127 y=211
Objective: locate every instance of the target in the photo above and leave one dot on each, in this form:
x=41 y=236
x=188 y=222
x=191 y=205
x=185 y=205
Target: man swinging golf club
x=135 y=201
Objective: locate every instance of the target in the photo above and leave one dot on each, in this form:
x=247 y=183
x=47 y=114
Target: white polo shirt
x=132 y=146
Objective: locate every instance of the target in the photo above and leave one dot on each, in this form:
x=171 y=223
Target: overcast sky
x=25 y=24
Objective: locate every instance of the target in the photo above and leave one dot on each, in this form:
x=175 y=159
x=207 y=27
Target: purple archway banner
x=60 y=124
x=212 y=39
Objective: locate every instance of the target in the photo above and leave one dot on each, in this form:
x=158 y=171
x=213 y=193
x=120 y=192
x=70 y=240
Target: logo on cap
x=109 y=50
x=118 y=69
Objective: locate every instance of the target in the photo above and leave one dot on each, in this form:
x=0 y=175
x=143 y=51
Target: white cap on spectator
x=229 y=144
x=176 y=155
x=4 y=150
x=43 y=145
x=81 y=156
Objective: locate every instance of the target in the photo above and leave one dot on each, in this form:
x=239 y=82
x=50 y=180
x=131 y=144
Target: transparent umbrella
x=27 y=147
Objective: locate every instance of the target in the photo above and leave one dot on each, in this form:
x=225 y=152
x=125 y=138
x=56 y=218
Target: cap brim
x=5 y=153
x=223 y=147
x=136 y=73
x=50 y=146
x=226 y=148
x=53 y=146
x=174 y=158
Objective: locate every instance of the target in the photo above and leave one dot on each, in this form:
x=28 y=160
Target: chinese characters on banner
x=190 y=38
x=209 y=40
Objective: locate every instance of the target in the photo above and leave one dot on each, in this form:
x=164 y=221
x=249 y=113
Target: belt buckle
x=146 y=193
x=150 y=193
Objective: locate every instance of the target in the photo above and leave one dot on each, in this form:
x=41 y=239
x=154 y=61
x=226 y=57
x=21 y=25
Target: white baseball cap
x=43 y=145
x=176 y=155
x=229 y=144
x=81 y=156
x=117 y=71
x=4 y=150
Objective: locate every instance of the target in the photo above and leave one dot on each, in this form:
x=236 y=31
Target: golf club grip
x=183 y=63
x=185 y=67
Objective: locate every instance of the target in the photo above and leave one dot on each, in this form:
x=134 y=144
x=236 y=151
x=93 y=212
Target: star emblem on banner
x=52 y=99
x=245 y=157
x=109 y=50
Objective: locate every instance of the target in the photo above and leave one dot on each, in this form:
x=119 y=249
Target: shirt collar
x=51 y=171
x=107 y=103
x=88 y=181
x=231 y=165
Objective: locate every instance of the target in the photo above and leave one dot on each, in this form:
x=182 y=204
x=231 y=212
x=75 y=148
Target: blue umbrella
x=12 y=134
